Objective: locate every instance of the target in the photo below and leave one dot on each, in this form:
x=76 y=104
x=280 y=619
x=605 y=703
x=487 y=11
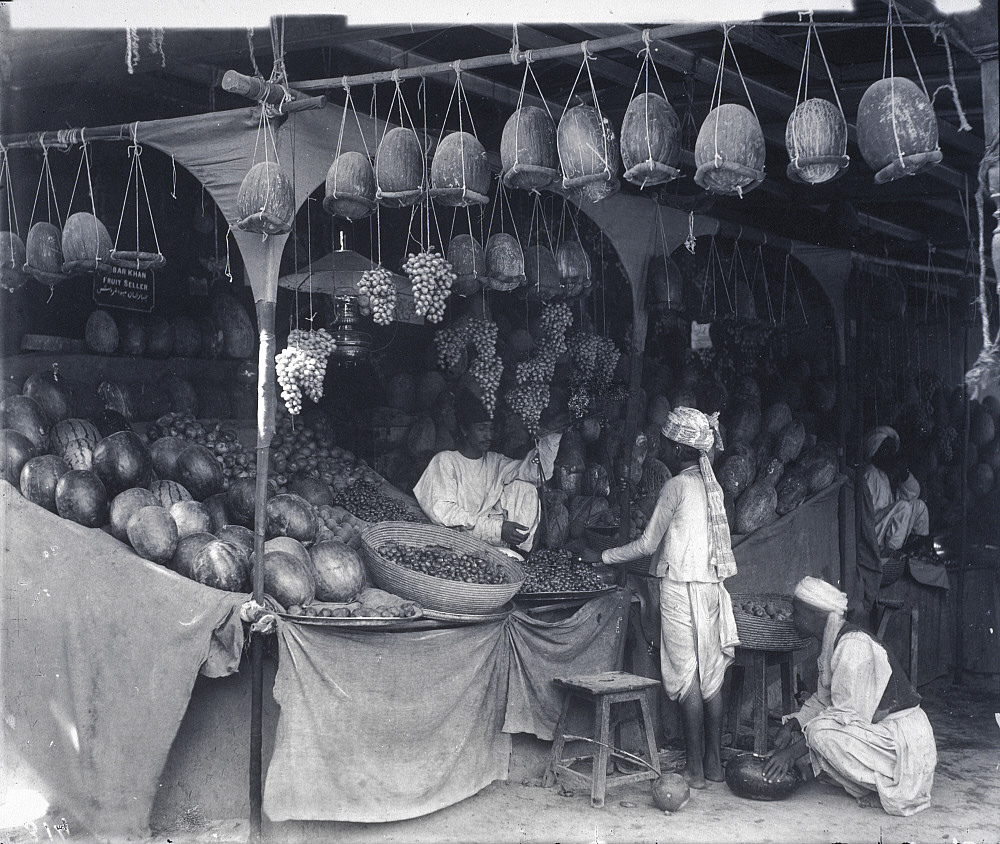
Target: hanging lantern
x=86 y=243
x=12 y=257
x=504 y=262
x=665 y=284
x=266 y=200
x=460 y=174
x=541 y=273
x=574 y=267
x=651 y=141
x=816 y=140
x=44 y=255
x=588 y=153
x=729 y=152
x=528 y=153
x=399 y=168
x=468 y=260
x=897 y=129
x=350 y=187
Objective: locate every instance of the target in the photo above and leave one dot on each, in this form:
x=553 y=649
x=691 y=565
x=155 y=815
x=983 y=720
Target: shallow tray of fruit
x=556 y=575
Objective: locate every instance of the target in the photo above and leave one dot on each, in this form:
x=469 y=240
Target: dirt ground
x=966 y=804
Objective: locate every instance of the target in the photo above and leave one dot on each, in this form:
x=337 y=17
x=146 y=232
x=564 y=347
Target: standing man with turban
x=895 y=493
x=863 y=728
x=688 y=539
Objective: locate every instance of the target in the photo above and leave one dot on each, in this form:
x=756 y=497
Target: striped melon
x=71 y=431
x=169 y=493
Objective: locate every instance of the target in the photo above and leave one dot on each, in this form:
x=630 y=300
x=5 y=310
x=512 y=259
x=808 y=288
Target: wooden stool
x=603 y=691
x=758 y=661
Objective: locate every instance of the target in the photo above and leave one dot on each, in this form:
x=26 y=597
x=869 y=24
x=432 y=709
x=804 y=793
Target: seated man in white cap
x=472 y=488
x=863 y=728
x=688 y=539
x=899 y=512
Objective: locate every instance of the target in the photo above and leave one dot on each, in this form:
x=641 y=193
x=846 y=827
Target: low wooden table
x=757 y=662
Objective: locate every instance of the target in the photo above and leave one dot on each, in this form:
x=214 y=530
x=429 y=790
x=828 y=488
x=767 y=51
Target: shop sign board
x=128 y=288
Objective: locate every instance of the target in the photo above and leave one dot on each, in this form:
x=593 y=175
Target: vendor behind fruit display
x=900 y=515
x=493 y=496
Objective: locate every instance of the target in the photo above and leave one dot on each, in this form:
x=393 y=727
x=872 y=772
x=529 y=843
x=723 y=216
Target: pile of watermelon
x=172 y=501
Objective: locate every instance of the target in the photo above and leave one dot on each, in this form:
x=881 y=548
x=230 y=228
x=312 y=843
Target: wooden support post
x=266 y=401
x=964 y=540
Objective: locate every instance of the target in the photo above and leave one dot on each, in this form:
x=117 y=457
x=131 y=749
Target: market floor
x=966 y=805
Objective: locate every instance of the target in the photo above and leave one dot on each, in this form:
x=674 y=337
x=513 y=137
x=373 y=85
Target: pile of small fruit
x=306 y=447
x=776 y=610
x=342 y=525
x=370 y=603
x=438 y=561
x=367 y=500
x=236 y=460
x=548 y=570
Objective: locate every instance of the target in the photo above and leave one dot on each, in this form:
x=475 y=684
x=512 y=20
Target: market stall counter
x=102 y=650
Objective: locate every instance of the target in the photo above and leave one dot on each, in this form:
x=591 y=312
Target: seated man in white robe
x=900 y=515
x=475 y=489
x=863 y=729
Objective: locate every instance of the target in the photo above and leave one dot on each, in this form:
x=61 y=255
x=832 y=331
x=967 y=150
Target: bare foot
x=868 y=801
x=694 y=779
x=713 y=769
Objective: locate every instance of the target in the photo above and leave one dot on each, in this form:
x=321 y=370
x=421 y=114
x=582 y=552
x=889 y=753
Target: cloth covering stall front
x=101 y=650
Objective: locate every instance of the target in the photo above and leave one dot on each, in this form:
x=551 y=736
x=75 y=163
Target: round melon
x=81 y=498
x=291 y=515
x=39 y=477
x=132 y=337
x=85 y=240
x=237 y=535
x=340 y=573
x=199 y=472
x=981 y=479
x=15 y=450
x=125 y=505
x=982 y=428
x=122 y=461
x=43 y=250
x=191 y=517
x=183 y=561
x=288 y=579
x=164 y=453
x=240 y=501
x=221 y=565
x=53 y=396
x=153 y=534
x=24 y=415
x=745 y=778
x=110 y=422
x=216 y=507
x=187 y=336
x=168 y=493
x=288 y=546
x=671 y=792
x=71 y=431
x=312 y=490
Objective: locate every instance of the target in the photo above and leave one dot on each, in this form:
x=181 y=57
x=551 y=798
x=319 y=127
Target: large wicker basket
x=603 y=538
x=436 y=593
x=766 y=634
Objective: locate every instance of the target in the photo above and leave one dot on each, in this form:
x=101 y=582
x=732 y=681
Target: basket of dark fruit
x=555 y=574
x=764 y=622
x=439 y=568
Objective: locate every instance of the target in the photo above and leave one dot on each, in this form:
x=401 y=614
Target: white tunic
x=895 y=757
x=479 y=495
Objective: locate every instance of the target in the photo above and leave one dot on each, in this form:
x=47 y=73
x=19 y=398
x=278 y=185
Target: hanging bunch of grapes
x=531 y=395
x=432 y=277
x=579 y=401
x=487 y=366
x=301 y=366
x=377 y=285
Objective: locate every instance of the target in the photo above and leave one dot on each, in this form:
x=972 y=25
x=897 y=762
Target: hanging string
x=131 y=48
x=940 y=29
x=5 y=179
x=173 y=176
x=585 y=63
x=253 y=57
x=45 y=177
x=690 y=242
